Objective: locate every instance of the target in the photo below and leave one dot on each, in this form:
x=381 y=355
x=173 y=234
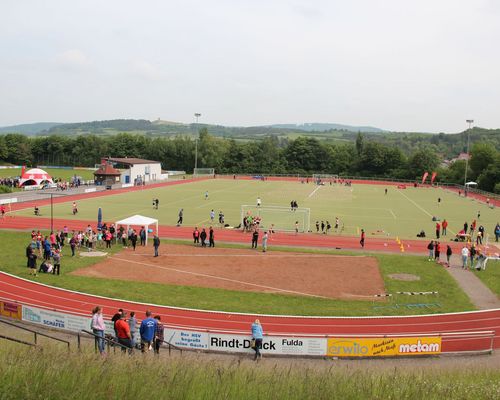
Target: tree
x=490 y=177
x=423 y=160
x=482 y=155
x=359 y=143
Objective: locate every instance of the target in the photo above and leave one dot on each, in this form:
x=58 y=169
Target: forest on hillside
x=366 y=156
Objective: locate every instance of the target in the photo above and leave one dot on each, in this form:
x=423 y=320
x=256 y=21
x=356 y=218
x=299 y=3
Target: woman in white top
x=98 y=328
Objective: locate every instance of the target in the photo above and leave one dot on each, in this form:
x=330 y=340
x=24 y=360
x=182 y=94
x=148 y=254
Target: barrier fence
x=275 y=344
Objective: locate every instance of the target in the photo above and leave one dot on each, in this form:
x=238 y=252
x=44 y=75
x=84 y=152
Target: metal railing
x=36 y=333
x=109 y=342
x=17 y=340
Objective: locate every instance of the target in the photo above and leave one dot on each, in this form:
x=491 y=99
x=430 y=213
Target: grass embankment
x=433 y=278
x=491 y=276
x=28 y=374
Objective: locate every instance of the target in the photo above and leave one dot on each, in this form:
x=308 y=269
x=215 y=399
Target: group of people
x=435 y=248
x=200 y=237
x=151 y=331
x=46 y=247
x=326 y=226
x=470 y=254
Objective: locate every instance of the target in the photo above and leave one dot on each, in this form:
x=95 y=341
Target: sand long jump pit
x=292 y=273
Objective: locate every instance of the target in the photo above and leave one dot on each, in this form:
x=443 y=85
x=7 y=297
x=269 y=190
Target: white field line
x=419 y=207
x=392 y=212
x=218 y=277
x=249 y=255
x=314 y=191
x=415 y=204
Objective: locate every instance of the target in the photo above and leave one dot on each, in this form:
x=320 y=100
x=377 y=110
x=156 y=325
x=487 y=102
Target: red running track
x=38 y=295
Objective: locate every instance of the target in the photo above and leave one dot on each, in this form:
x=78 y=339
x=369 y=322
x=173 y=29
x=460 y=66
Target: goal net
x=203 y=171
x=279 y=218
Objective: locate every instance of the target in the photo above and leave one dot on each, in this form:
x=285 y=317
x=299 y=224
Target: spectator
x=465 y=256
x=255 y=238
x=158 y=334
x=203 y=237
x=31 y=256
x=98 y=328
x=449 y=252
x=147 y=331
x=132 y=324
x=115 y=318
x=56 y=256
x=123 y=333
x=264 y=241
x=257 y=336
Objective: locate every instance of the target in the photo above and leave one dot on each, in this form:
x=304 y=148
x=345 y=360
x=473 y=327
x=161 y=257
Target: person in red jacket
x=362 y=239
x=444 y=225
x=438 y=229
x=123 y=332
x=196 y=235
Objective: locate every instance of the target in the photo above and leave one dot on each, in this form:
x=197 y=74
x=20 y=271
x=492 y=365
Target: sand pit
x=318 y=275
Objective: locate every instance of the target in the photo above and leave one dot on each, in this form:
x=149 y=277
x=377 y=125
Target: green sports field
x=400 y=213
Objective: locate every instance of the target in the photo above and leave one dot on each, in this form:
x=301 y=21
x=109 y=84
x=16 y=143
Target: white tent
x=471 y=184
x=34 y=176
x=139 y=220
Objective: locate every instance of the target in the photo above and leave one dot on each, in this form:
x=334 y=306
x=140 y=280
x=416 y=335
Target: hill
x=29 y=129
x=322 y=127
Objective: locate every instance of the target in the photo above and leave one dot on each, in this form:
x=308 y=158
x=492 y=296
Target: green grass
x=433 y=278
x=491 y=276
x=51 y=374
x=401 y=213
x=65 y=174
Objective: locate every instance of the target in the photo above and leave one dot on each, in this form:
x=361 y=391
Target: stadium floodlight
x=196 y=115
x=470 y=122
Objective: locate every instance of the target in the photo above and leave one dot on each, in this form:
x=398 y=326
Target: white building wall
x=148 y=172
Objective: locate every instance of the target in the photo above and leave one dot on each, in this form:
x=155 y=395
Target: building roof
x=107 y=169
x=131 y=161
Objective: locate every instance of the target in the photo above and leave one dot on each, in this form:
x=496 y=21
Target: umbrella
x=99 y=218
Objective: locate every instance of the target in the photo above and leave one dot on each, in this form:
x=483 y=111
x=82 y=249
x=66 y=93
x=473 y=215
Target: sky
x=421 y=65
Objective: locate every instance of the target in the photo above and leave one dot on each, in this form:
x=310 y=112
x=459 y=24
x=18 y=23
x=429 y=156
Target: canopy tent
x=35 y=176
x=471 y=184
x=139 y=220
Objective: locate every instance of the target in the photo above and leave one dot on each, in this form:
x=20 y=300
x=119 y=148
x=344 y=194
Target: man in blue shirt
x=257 y=335
x=147 y=331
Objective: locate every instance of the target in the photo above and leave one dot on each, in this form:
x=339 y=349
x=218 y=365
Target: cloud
x=73 y=58
x=147 y=70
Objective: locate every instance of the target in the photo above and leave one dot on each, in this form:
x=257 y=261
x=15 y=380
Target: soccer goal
x=279 y=218
x=324 y=177
x=203 y=171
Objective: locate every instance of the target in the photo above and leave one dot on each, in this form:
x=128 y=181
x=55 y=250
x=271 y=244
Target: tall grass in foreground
x=32 y=374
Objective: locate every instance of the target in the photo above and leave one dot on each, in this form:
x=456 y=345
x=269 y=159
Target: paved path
x=480 y=295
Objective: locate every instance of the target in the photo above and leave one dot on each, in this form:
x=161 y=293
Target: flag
x=23 y=168
x=424 y=177
x=434 y=174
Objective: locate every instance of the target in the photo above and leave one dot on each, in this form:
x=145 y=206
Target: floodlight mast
x=470 y=122
x=196 y=115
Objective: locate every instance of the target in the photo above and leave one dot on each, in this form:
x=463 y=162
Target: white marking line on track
x=314 y=191
x=392 y=212
x=218 y=277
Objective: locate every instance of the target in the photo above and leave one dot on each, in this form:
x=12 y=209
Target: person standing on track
x=203 y=237
x=449 y=252
x=362 y=239
x=142 y=236
x=211 y=240
x=438 y=229
x=264 y=241
x=196 y=235
x=156 y=244
x=255 y=238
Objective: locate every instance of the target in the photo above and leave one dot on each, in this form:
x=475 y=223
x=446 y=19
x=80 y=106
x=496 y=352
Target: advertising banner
x=424 y=177
x=433 y=177
x=11 y=310
x=187 y=339
x=383 y=347
x=277 y=345
x=59 y=320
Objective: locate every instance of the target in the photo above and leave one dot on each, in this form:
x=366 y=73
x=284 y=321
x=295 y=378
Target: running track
x=31 y=293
